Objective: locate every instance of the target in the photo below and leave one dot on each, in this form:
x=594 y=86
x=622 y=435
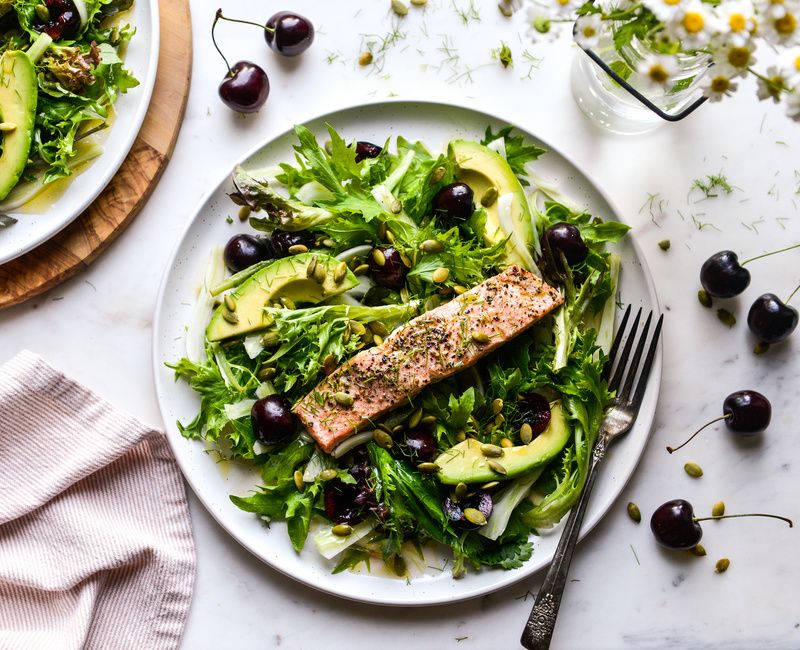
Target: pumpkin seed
x=288 y=302
x=497 y=406
x=404 y=295
x=499 y=420
x=42 y=13
x=634 y=512
x=346 y=334
x=526 y=433
x=328 y=474
x=437 y=175
x=377 y=340
x=342 y=530
x=722 y=565
x=378 y=257
x=378 y=328
x=365 y=58
x=490 y=485
x=664 y=244
x=343 y=399
x=440 y=275
x=718 y=509
x=328 y=243
x=428 y=468
x=693 y=469
x=459 y=289
x=399 y=7
x=419 y=3
x=413 y=421
x=482 y=338
x=230 y=302
x=760 y=347
x=384 y=427
x=382 y=230
x=270 y=340
x=230 y=317
x=428 y=421
x=698 y=549
x=357 y=328
x=496 y=467
x=474 y=516
x=340 y=272
x=506 y=8
x=491 y=451
x=329 y=364
x=505 y=443
x=431 y=246
x=312 y=266
x=489 y=197
x=266 y=373
x=399 y=428
x=328 y=144
x=361 y=269
x=244 y=212
x=320 y=274
x=297 y=249
x=298 y=480
x=382 y=439
x=461 y=436
x=396 y=208
x=704 y=298
x=461 y=491
x=406 y=260
x=726 y=317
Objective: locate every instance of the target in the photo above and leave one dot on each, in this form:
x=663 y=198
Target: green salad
x=61 y=71
x=355 y=249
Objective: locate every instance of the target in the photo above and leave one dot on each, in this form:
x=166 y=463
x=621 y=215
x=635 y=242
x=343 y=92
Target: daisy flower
x=736 y=21
x=658 y=70
x=790 y=65
x=793 y=105
x=587 y=31
x=718 y=82
x=738 y=58
x=771 y=8
x=665 y=10
x=781 y=27
x=772 y=85
x=565 y=7
x=540 y=21
x=693 y=25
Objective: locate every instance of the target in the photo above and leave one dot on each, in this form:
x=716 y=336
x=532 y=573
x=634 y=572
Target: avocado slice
x=465 y=463
x=19 y=94
x=509 y=214
x=284 y=278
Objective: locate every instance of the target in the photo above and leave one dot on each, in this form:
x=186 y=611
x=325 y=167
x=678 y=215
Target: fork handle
x=538 y=631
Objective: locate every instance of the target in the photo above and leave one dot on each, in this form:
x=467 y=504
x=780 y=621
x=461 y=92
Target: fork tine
x=612 y=353
x=637 y=356
x=638 y=394
x=626 y=351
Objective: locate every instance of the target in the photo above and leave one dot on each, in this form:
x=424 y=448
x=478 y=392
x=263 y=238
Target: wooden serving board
x=77 y=246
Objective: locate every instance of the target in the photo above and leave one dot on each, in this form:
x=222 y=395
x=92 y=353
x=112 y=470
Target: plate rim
x=510 y=578
x=147 y=88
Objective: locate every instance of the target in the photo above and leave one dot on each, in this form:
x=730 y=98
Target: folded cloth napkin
x=96 y=547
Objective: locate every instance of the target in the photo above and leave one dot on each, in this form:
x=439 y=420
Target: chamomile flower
x=587 y=31
x=770 y=8
x=607 y=6
x=771 y=85
x=540 y=21
x=790 y=65
x=658 y=70
x=793 y=105
x=693 y=25
x=738 y=58
x=781 y=26
x=565 y=7
x=718 y=82
x=665 y=10
x=737 y=22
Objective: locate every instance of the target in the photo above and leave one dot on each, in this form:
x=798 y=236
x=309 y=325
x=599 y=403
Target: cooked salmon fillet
x=428 y=348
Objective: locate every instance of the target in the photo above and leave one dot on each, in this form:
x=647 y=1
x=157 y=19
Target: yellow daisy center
x=738 y=57
x=563 y=2
x=658 y=73
x=693 y=22
x=589 y=31
x=720 y=84
x=797 y=63
x=737 y=22
x=786 y=25
x=672 y=2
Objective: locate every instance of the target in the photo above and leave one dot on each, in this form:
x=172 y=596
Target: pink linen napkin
x=96 y=546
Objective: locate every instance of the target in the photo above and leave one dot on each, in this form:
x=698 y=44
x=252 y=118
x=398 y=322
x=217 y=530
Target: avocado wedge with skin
x=465 y=463
x=287 y=277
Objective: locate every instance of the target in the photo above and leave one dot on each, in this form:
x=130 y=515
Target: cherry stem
x=750 y=514
x=758 y=257
x=245 y=22
x=214 y=41
x=791 y=295
x=707 y=424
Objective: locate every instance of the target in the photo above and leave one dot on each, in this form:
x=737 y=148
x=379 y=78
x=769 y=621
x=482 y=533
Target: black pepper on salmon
x=427 y=349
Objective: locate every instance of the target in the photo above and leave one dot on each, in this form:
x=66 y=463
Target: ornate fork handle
x=538 y=630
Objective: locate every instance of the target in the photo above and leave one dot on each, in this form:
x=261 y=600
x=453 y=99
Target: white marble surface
x=627 y=592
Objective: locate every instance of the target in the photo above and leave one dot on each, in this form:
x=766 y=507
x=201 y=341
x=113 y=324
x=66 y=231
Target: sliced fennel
x=351 y=443
x=549 y=188
x=265 y=388
x=196 y=330
x=356 y=251
x=313 y=191
x=498 y=145
x=316 y=464
x=605 y=331
x=504 y=506
x=330 y=545
x=239 y=410
x=252 y=345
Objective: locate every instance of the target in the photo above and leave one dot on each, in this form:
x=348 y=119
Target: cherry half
x=675 y=527
x=745 y=412
x=770 y=320
x=289 y=34
x=65 y=20
x=367 y=150
x=535 y=411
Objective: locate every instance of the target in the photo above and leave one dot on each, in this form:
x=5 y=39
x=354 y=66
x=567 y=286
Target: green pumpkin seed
x=404 y=295
x=718 y=509
x=328 y=474
x=399 y=7
x=382 y=439
x=297 y=249
x=42 y=13
x=461 y=491
x=428 y=421
x=505 y=443
x=344 y=399
x=526 y=433
x=413 y=421
x=288 y=302
x=506 y=8
x=419 y=3
x=298 y=480
x=664 y=244
x=698 y=549
x=329 y=364
x=474 y=516
x=406 y=260
x=244 y=212
x=499 y=420
x=693 y=469
x=722 y=565
x=428 y=468
x=431 y=246
x=726 y=317
x=328 y=243
x=320 y=274
x=461 y=436
x=459 y=289
x=491 y=451
x=490 y=485
x=395 y=208
x=340 y=272
x=266 y=373
x=347 y=334
x=489 y=197
x=440 y=275
x=497 y=406
x=378 y=257
x=312 y=266
x=760 y=347
x=365 y=58
x=481 y=338
x=361 y=269
x=634 y=512
x=357 y=328
x=230 y=317
x=496 y=467
x=230 y=302
x=342 y=530
x=437 y=175
x=378 y=328
x=377 y=340
x=270 y=340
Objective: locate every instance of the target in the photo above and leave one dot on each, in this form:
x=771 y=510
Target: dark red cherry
x=674 y=526
x=367 y=150
x=454 y=203
x=722 y=276
x=421 y=444
x=245 y=88
x=747 y=412
x=65 y=20
x=454 y=510
x=272 y=419
x=392 y=273
x=243 y=251
x=288 y=33
x=535 y=410
x=566 y=239
x=341 y=502
x=280 y=241
x=770 y=320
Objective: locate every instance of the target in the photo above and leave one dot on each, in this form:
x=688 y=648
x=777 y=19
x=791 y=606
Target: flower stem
x=791 y=295
x=758 y=257
x=750 y=514
x=707 y=424
x=214 y=41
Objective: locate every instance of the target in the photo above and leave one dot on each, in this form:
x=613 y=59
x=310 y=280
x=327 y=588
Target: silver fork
x=619 y=418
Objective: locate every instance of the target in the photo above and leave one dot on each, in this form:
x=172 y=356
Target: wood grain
x=75 y=247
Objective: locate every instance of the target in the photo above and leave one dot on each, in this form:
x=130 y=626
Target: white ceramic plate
x=434 y=124
x=41 y=220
